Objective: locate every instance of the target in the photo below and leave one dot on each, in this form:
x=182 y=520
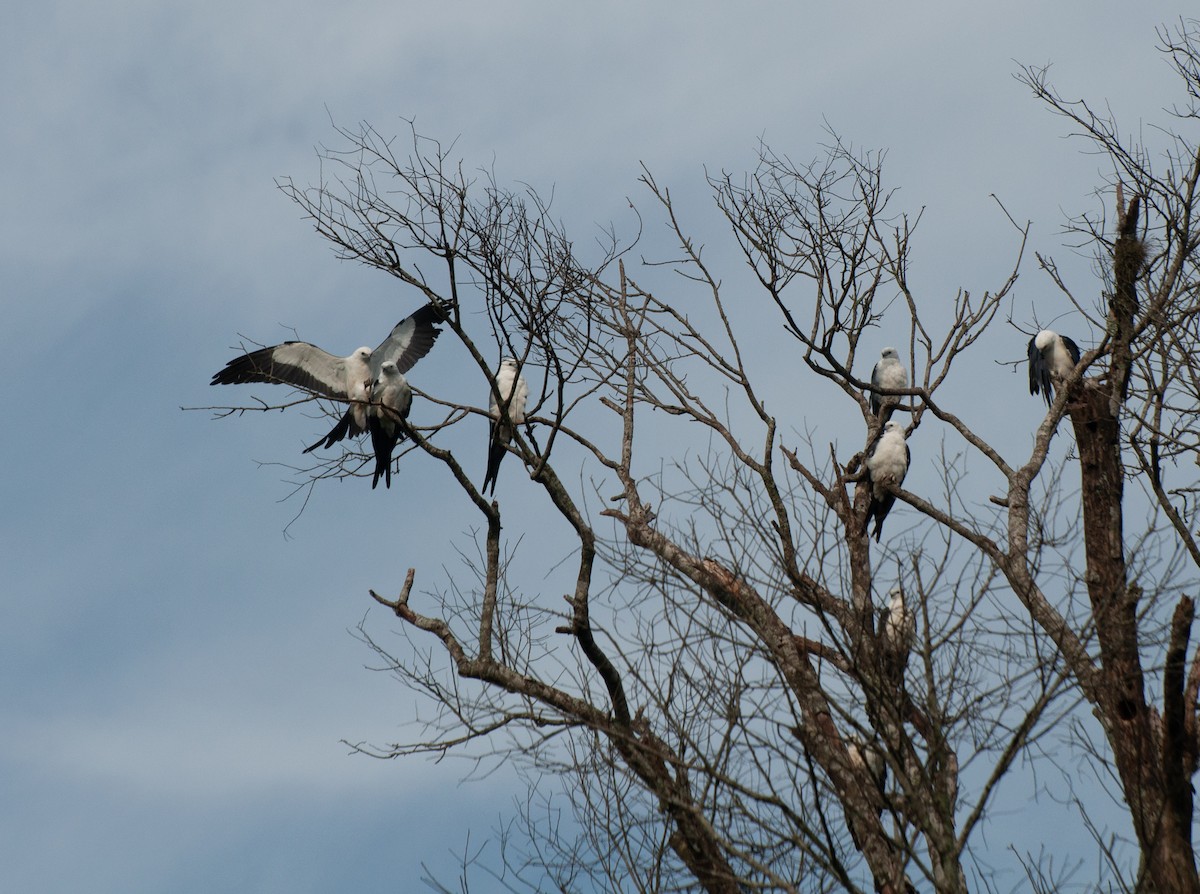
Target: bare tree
x=719 y=694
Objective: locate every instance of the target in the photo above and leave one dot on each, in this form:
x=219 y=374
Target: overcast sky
x=176 y=674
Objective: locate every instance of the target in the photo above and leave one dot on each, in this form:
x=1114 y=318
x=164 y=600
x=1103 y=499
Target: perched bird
x=391 y=399
x=898 y=631
x=866 y=759
x=1051 y=357
x=513 y=394
x=309 y=368
x=863 y=756
x=887 y=464
x=889 y=373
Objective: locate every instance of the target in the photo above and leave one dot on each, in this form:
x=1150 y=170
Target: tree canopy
x=741 y=687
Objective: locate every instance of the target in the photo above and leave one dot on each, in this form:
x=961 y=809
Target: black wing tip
x=238 y=371
x=252 y=366
x=430 y=314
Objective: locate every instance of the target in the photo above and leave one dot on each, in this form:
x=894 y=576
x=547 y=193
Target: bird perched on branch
x=887 y=464
x=1052 y=358
x=391 y=399
x=506 y=414
x=898 y=631
x=309 y=368
x=866 y=759
x=888 y=373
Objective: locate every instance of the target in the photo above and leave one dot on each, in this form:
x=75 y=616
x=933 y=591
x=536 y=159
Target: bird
x=887 y=462
x=898 y=631
x=312 y=369
x=1051 y=356
x=888 y=373
x=391 y=399
x=513 y=393
x=866 y=759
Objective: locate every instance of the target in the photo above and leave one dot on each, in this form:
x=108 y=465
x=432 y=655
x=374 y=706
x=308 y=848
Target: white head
x=508 y=363
x=363 y=354
x=389 y=369
x=889 y=354
x=1045 y=339
x=893 y=428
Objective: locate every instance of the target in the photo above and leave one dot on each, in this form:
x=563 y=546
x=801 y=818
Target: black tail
x=346 y=426
x=384 y=444
x=877 y=509
x=384 y=468
x=496 y=450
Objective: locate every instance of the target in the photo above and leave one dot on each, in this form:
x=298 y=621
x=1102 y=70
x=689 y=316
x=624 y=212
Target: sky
x=178 y=664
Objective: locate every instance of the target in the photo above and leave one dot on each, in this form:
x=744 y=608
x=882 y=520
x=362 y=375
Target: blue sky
x=176 y=674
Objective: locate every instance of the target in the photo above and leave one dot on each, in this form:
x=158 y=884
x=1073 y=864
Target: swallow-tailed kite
x=513 y=394
x=898 y=629
x=889 y=372
x=391 y=399
x=1052 y=357
x=309 y=368
x=863 y=756
x=866 y=759
x=887 y=464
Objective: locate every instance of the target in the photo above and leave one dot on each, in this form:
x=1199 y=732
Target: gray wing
x=409 y=341
x=874 y=444
x=876 y=401
x=295 y=363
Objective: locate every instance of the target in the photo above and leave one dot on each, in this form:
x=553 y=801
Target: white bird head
x=893 y=428
x=1045 y=339
x=509 y=362
x=889 y=353
x=363 y=354
x=389 y=368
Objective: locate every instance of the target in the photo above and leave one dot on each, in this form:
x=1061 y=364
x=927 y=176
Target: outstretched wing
x=409 y=341
x=295 y=363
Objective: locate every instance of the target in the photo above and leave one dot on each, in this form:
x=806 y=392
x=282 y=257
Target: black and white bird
x=1052 y=358
x=865 y=757
x=513 y=395
x=888 y=373
x=868 y=760
x=887 y=464
x=309 y=368
x=391 y=399
x=898 y=632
